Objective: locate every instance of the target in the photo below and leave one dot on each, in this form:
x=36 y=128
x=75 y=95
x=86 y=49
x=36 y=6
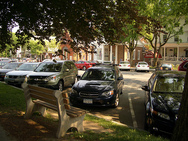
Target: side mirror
x=145 y=88
x=120 y=78
x=78 y=77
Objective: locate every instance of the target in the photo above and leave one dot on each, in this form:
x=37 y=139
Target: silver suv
x=54 y=74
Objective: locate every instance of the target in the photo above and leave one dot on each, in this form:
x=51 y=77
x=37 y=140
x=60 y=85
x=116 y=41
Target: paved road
x=131 y=108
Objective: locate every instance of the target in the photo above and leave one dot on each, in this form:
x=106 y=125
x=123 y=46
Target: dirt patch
x=39 y=128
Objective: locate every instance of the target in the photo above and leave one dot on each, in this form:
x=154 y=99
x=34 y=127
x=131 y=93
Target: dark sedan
x=164 y=93
x=98 y=86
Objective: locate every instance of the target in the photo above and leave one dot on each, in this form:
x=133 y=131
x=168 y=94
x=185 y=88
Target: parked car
x=183 y=66
x=142 y=66
x=8 y=67
x=2 y=63
x=163 y=96
x=124 y=65
x=98 y=86
x=165 y=67
x=83 y=65
x=17 y=77
x=5 y=59
x=107 y=63
x=53 y=74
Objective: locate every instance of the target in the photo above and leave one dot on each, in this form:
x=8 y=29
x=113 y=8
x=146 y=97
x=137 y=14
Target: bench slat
x=45 y=90
x=53 y=102
x=43 y=94
x=53 y=107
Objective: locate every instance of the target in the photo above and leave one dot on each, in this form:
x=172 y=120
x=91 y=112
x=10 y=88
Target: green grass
x=12 y=98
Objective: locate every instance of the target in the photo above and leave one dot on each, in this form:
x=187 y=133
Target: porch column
x=164 y=53
x=116 y=56
x=111 y=53
x=102 y=53
x=178 y=51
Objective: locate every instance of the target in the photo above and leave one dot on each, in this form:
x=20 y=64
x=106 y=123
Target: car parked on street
x=8 y=67
x=53 y=74
x=124 y=65
x=142 y=66
x=165 y=66
x=3 y=63
x=163 y=96
x=183 y=66
x=99 y=86
x=17 y=77
x=83 y=65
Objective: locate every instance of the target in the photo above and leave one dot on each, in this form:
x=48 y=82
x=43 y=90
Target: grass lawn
x=12 y=99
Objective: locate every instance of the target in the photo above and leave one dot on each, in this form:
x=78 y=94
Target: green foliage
x=11 y=98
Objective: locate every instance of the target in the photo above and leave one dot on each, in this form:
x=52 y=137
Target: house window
x=176 y=39
x=164 y=38
x=138 y=55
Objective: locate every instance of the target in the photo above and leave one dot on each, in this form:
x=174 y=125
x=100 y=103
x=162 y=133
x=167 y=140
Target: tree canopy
x=85 y=20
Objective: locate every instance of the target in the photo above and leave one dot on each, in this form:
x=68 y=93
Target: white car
x=124 y=65
x=142 y=66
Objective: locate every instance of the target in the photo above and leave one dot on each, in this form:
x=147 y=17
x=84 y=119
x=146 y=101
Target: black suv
x=54 y=74
x=98 y=86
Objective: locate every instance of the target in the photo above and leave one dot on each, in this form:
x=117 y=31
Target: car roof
x=170 y=73
x=110 y=67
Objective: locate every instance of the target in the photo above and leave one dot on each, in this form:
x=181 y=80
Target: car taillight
x=138 y=65
x=128 y=65
x=120 y=65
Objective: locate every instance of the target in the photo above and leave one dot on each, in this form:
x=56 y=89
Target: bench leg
x=40 y=109
x=29 y=109
x=67 y=123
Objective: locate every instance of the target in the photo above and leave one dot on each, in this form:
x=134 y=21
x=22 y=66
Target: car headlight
x=74 y=91
x=108 y=93
x=161 y=115
x=6 y=76
x=27 y=78
x=51 y=78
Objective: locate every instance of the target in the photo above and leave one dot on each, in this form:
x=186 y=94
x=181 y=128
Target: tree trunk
x=131 y=58
x=181 y=129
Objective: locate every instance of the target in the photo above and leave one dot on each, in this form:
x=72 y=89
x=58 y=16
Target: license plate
x=88 y=101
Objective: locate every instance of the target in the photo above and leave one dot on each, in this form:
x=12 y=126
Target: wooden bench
x=39 y=98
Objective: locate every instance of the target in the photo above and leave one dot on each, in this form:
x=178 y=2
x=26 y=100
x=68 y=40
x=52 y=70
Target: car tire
x=84 y=68
x=60 y=85
x=116 y=102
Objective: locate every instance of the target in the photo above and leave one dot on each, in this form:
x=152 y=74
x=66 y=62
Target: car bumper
x=124 y=68
x=142 y=69
x=92 y=101
x=17 y=81
x=162 y=125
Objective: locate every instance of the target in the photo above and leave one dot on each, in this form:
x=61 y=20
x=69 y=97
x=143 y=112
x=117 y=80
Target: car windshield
x=49 y=67
x=95 y=74
x=169 y=84
x=27 y=67
x=10 y=66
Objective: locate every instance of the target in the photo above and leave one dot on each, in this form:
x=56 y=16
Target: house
x=174 y=52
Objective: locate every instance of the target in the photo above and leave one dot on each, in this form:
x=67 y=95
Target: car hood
x=5 y=70
x=19 y=73
x=43 y=73
x=93 y=86
x=167 y=103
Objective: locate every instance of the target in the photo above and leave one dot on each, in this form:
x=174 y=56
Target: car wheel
x=116 y=102
x=60 y=85
x=84 y=68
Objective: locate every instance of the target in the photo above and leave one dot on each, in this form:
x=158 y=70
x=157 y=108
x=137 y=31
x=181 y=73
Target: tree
x=36 y=48
x=163 y=21
x=86 y=21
